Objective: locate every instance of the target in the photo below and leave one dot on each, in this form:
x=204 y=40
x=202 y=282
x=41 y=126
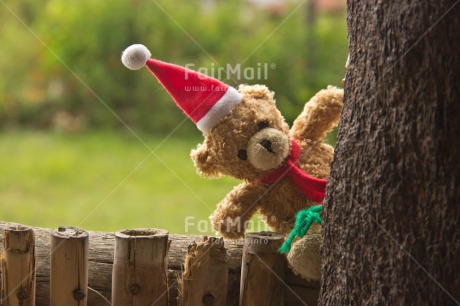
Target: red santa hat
x=204 y=99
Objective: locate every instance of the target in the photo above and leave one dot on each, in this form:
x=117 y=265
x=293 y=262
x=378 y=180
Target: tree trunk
x=390 y=230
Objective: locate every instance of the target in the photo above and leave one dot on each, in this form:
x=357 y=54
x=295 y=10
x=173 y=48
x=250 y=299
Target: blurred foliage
x=60 y=66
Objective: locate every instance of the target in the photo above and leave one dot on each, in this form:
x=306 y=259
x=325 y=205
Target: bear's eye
x=262 y=124
x=242 y=154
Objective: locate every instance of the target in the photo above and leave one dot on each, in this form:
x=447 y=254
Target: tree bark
x=390 y=230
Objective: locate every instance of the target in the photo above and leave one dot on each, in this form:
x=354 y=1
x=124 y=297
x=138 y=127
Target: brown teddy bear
x=284 y=170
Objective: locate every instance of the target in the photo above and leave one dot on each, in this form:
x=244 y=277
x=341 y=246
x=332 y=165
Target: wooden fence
x=70 y=266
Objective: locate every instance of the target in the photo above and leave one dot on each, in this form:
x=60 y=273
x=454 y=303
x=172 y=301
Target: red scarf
x=314 y=188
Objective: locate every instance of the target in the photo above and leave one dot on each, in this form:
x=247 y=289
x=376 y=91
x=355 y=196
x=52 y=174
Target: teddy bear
x=284 y=170
x=254 y=140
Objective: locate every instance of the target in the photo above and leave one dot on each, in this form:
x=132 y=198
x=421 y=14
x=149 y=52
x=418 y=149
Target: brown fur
x=279 y=203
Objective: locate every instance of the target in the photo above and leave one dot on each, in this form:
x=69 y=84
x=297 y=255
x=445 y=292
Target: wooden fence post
x=18 y=267
x=69 y=267
x=262 y=270
x=205 y=273
x=139 y=268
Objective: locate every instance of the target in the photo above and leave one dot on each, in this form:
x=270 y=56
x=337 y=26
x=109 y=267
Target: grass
x=106 y=181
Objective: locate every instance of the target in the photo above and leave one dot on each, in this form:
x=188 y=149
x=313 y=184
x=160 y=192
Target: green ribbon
x=303 y=221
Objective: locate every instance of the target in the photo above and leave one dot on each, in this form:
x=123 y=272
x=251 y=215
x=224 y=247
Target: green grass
x=104 y=181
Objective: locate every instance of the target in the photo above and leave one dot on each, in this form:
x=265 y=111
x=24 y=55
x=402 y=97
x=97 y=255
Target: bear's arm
x=234 y=211
x=319 y=116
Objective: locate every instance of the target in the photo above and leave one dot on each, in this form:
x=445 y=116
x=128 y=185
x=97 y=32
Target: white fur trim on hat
x=219 y=110
x=135 y=56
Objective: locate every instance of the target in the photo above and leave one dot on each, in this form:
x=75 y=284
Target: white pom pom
x=135 y=56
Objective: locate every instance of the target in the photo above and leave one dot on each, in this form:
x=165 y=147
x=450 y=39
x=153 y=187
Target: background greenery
x=64 y=56
x=69 y=109
x=103 y=181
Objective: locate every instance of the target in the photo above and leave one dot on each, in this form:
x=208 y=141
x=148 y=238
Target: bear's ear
x=202 y=158
x=257 y=92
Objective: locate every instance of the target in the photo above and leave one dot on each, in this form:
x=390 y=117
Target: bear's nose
x=267 y=144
